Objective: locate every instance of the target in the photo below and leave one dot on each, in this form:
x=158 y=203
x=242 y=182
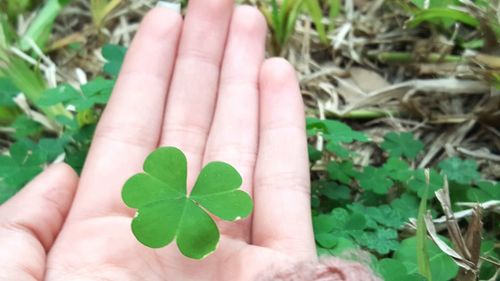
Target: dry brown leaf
x=368 y=80
x=473 y=241
x=493 y=206
x=490 y=61
x=459 y=259
x=443 y=195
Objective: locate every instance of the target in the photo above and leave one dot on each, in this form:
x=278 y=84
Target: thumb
x=31 y=220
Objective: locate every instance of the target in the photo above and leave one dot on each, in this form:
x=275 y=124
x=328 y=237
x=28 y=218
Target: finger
x=233 y=136
x=130 y=126
x=192 y=96
x=282 y=216
x=31 y=220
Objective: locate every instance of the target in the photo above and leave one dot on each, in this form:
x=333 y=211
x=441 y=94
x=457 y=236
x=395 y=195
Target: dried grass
x=449 y=103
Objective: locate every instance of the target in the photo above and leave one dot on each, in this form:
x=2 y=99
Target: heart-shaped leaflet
x=165 y=212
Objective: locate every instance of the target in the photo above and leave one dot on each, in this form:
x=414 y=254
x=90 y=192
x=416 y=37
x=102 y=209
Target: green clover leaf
x=342 y=172
x=334 y=131
x=7 y=92
x=165 y=212
x=442 y=266
x=461 y=171
x=394 y=270
x=375 y=179
x=114 y=55
x=397 y=169
x=93 y=93
x=24 y=162
x=398 y=144
x=418 y=183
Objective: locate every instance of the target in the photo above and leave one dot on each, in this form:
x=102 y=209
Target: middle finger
x=233 y=137
x=192 y=96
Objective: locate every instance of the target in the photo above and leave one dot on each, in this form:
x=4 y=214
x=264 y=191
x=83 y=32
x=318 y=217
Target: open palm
x=200 y=84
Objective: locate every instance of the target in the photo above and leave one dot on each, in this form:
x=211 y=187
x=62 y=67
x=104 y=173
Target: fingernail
x=174 y=6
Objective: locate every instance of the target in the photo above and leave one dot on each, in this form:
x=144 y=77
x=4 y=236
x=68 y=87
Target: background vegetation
x=403 y=99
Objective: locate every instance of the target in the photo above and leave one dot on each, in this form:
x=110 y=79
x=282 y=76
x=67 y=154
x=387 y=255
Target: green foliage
x=314 y=154
x=375 y=179
x=334 y=6
x=394 y=270
x=342 y=172
x=282 y=17
x=418 y=182
x=461 y=171
x=441 y=13
x=336 y=133
x=19 y=77
x=34 y=148
x=334 y=191
x=442 y=16
x=442 y=267
x=7 y=92
x=114 y=54
x=406 y=205
x=423 y=262
x=314 y=9
x=492 y=252
x=100 y=9
x=15 y=7
x=367 y=206
x=166 y=212
x=26 y=127
x=486 y=191
x=402 y=144
x=39 y=30
x=25 y=160
x=6 y=191
x=96 y=92
x=383 y=215
x=23 y=163
x=434 y=3
x=397 y=169
x=374 y=228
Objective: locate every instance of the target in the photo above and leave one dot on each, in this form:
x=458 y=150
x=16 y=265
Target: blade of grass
x=292 y=19
x=316 y=14
x=405 y=57
x=424 y=267
x=30 y=82
x=334 y=6
x=100 y=9
x=440 y=14
x=39 y=30
x=15 y=7
x=7 y=115
x=3 y=37
x=276 y=22
x=283 y=10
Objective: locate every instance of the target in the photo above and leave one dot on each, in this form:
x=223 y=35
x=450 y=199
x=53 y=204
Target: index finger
x=130 y=126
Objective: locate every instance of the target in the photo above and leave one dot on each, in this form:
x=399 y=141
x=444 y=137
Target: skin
x=200 y=84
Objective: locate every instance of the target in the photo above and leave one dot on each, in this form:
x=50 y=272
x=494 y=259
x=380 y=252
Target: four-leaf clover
x=165 y=212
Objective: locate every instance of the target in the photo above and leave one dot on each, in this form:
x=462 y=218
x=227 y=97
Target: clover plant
x=166 y=213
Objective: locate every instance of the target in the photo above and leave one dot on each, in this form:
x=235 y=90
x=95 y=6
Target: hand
x=224 y=102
